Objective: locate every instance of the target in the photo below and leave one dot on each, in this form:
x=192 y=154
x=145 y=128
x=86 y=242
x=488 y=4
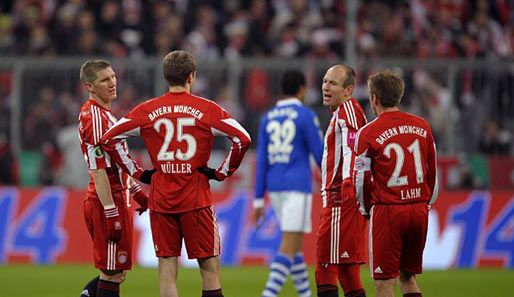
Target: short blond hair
x=89 y=69
x=388 y=86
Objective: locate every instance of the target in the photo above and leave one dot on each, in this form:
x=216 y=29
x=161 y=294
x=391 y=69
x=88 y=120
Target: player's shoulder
x=351 y=107
x=149 y=103
x=196 y=99
x=420 y=121
x=90 y=110
x=370 y=126
x=85 y=111
x=205 y=104
x=305 y=110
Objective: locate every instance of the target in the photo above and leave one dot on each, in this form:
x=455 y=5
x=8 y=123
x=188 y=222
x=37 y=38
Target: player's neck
x=104 y=104
x=180 y=89
x=387 y=109
x=344 y=100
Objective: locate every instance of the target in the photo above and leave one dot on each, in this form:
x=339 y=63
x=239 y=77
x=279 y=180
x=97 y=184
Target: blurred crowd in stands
x=233 y=28
x=474 y=105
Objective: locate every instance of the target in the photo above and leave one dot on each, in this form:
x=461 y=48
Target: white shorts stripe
x=370 y=239
x=216 y=232
x=334 y=235
x=111 y=256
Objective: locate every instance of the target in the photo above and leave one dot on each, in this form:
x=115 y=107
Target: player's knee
x=350 y=277
x=210 y=264
x=117 y=276
x=407 y=277
x=291 y=243
x=384 y=284
x=124 y=275
x=325 y=274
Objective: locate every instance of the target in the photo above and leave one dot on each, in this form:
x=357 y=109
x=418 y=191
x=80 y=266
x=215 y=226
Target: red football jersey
x=178 y=130
x=338 y=152
x=94 y=121
x=399 y=150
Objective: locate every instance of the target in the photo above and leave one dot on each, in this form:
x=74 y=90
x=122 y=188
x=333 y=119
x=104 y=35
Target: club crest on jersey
x=99 y=153
x=359 y=163
x=122 y=257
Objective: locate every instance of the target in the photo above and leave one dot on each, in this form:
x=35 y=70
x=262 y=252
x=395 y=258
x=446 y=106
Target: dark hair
x=89 y=69
x=177 y=66
x=388 y=86
x=291 y=82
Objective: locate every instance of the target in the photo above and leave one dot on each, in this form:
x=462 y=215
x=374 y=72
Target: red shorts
x=198 y=228
x=341 y=236
x=398 y=234
x=107 y=254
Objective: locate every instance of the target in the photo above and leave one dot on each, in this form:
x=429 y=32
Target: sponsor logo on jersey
x=359 y=163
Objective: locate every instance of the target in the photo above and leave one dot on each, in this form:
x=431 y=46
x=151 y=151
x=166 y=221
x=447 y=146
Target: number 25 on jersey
x=169 y=155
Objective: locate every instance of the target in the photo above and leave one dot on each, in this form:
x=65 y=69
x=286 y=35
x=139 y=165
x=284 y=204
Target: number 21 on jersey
x=396 y=180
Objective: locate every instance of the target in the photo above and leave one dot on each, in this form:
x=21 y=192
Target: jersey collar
x=288 y=101
x=92 y=101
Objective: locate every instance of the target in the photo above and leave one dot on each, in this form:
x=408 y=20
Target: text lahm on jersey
x=411 y=193
x=176 y=168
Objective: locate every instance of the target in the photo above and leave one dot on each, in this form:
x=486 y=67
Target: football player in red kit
x=178 y=129
x=341 y=233
x=397 y=152
x=106 y=205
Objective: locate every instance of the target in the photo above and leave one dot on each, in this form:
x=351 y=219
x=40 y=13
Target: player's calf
x=109 y=283
x=212 y=293
x=280 y=269
x=350 y=279
x=300 y=276
x=90 y=289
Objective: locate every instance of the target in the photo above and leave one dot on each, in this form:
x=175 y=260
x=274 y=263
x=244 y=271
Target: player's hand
x=140 y=197
x=209 y=172
x=258 y=216
x=112 y=220
x=146 y=177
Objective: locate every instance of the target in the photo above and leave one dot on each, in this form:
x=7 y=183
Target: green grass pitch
x=68 y=280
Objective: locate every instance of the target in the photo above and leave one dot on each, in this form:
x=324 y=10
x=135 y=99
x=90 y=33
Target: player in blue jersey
x=288 y=134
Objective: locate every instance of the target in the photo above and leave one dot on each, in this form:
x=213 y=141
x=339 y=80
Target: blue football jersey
x=288 y=134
